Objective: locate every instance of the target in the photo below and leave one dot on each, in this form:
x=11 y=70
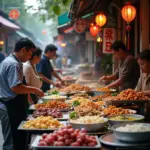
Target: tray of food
x=75 y=88
x=90 y=123
x=62 y=106
x=124 y=118
x=55 y=113
x=127 y=96
x=112 y=110
x=87 y=109
x=54 y=97
x=41 y=124
x=132 y=132
x=67 y=138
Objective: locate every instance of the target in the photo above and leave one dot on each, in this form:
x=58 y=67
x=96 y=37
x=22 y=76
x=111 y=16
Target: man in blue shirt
x=45 y=68
x=13 y=94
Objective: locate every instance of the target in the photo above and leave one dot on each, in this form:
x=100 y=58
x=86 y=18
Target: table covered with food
x=72 y=118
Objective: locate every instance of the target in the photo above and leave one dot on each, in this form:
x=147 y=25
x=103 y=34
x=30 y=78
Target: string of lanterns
x=128 y=13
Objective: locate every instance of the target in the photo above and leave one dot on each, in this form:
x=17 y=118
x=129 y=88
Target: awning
x=8 y=23
x=21 y=34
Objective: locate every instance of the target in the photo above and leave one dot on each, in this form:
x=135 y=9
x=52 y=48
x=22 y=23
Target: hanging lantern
x=128 y=14
x=94 y=29
x=100 y=19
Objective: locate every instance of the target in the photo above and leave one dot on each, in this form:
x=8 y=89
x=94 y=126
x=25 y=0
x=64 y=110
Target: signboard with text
x=109 y=36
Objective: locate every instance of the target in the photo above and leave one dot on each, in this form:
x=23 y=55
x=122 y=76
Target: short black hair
x=37 y=53
x=24 y=43
x=118 y=45
x=50 y=48
x=145 y=55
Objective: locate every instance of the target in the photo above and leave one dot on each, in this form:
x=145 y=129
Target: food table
x=81 y=110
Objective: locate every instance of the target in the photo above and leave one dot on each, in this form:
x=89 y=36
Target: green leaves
x=65 y=2
x=56 y=10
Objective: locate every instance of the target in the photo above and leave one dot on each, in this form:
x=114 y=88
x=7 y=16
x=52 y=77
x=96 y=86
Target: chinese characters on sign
x=108 y=39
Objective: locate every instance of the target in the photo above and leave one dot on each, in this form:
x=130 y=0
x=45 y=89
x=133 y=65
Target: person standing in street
x=45 y=68
x=13 y=91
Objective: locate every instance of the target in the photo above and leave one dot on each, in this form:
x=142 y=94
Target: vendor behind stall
x=127 y=73
x=144 y=81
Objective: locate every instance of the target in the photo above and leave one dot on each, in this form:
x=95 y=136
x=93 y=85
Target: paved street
x=1 y=138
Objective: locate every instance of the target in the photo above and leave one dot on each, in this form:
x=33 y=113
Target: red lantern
x=94 y=29
x=14 y=14
x=128 y=14
x=100 y=19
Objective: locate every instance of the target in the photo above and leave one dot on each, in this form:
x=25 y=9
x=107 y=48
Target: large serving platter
x=36 y=147
x=39 y=130
x=111 y=140
x=65 y=117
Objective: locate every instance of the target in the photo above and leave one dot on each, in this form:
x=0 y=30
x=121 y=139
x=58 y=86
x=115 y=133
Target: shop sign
x=79 y=25
x=109 y=36
x=14 y=14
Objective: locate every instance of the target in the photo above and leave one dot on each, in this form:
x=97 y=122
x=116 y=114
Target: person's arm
x=147 y=93
x=56 y=76
x=23 y=89
x=116 y=83
x=45 y=79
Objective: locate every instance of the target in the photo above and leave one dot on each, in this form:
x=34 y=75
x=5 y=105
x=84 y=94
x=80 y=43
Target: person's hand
x=39 y=92
x=57 y=84
x=62 y=82
x=103 y=78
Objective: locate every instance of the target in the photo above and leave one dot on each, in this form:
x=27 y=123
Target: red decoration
x=79 y=25
x=100 y=19
x=128 y=14
x=14 y=14
x=94 y=29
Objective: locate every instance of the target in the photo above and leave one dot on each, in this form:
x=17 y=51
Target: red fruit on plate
x=68 y=142
x=83 y=130
x=75 y=144
x=71 y=130
x=49 y=140
x=79 y=140
x=56 y=143
x=66 y=136
x=73 y=136
x=61 y=144
x=44 y=135
x=42 y=143
x=92 y=144
x=61 y=139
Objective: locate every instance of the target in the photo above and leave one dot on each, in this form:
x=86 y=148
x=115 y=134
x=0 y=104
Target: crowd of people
x=27 y=73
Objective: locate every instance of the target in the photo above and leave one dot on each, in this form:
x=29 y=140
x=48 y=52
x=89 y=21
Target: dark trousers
x=16 y=109
x=6 y=130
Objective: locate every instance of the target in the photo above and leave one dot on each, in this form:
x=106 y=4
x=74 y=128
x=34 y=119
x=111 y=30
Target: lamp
x=128 y=14
x=94 y=29
x=100 y=19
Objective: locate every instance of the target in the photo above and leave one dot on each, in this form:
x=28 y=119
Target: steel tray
x=110 y=140
x=36 y=147
x=39 y=130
